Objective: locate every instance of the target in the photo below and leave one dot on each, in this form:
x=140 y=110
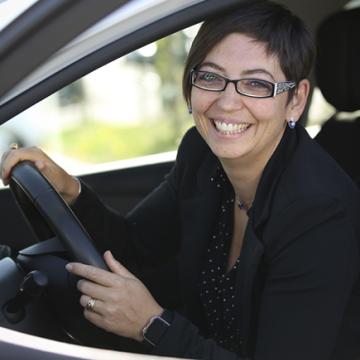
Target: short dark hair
x=284 y=35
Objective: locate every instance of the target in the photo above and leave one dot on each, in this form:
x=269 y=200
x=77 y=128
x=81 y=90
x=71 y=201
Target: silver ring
x=90 y=304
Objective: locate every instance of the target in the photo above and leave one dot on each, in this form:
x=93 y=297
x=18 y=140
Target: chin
x=227 y=152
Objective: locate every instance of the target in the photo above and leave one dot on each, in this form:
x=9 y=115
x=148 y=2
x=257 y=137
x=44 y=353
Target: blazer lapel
x=246 y=280
x=271 y=176
x=198 y=217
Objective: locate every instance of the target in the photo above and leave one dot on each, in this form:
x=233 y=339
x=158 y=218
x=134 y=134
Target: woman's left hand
x=123 y=305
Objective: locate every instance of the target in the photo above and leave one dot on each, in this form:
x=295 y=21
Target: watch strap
x=156 y=327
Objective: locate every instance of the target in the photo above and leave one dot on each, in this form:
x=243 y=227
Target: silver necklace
x=242 y=205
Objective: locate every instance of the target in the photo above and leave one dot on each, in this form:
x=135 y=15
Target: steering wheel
x=47 y=213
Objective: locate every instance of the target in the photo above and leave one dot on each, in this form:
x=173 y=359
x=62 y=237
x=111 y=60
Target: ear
x=297 y=104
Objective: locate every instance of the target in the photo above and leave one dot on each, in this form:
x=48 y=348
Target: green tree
x=169 y=63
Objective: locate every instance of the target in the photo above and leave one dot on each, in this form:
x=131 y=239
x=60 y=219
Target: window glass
x=129 y=108
x=319 y=111
x=352 y=4
x=11 y=9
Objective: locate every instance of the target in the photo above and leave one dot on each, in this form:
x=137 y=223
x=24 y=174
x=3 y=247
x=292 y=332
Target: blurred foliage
x=168 y=62
x=101 y=142
x=92 y=140
x=72 y=94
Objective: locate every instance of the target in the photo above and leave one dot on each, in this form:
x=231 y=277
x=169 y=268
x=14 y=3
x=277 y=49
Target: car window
x=129 y=108
x=319 y=111
x=352 y=4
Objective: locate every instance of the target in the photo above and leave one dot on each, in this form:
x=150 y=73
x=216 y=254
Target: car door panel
x=121 y=189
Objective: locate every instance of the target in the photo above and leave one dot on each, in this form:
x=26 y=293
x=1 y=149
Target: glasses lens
x=208 y=80
x=255 y=87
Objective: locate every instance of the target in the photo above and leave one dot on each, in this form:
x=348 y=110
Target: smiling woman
x=248 y=249
x=253 y=123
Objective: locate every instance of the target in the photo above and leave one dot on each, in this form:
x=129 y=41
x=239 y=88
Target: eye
x=257 y=84
x=256 y=87
x=209 y=81
x=208 y=76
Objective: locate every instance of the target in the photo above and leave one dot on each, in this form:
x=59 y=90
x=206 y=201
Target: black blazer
x=297 y=286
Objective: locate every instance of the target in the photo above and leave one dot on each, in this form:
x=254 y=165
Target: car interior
x=33 y=243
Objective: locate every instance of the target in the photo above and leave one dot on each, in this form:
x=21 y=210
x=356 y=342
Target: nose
x=229 y=99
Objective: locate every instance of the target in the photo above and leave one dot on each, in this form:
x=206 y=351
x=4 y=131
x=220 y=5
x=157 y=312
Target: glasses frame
x=278 y=87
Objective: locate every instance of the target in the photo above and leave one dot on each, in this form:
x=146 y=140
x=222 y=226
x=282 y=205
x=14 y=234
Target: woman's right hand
x=67 y=185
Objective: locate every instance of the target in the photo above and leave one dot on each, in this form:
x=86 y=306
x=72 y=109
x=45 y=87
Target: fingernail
x=68 y=267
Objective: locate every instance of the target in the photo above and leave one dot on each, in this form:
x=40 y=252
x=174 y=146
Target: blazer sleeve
x=147 y=239
x=141 y=234
x=312 y=259
x=183 y=340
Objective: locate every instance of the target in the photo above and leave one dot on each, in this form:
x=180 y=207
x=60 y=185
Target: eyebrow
x=246 y=72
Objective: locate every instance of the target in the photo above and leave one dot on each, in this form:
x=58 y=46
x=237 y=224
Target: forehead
x=238 y=53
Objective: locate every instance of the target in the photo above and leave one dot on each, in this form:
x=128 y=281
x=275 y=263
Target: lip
x=229 y=128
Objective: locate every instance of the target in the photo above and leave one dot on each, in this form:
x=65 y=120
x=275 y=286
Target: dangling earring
x=292 y=123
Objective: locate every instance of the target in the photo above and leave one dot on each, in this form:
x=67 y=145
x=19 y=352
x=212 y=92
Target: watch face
x=155 y=330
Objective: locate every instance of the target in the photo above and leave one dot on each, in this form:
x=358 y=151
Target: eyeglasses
x=256 y=88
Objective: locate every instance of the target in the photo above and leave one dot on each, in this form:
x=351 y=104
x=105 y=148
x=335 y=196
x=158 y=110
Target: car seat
x=337 y=71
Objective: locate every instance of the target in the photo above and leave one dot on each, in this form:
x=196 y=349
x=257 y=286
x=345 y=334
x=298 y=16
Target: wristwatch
x=156 y=327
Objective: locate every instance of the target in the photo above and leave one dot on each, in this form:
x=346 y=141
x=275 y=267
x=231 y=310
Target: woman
x=251 y=242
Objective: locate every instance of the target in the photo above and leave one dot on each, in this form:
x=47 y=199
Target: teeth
x=230 y=128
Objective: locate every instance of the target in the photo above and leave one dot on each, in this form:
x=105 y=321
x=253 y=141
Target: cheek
x=269 y=112
x=261 y=108
x=202 y=124
x=202 y=100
